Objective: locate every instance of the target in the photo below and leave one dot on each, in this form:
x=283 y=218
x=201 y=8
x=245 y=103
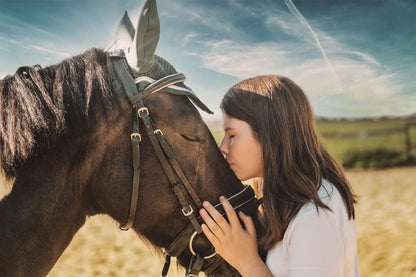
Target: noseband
x=180 y=185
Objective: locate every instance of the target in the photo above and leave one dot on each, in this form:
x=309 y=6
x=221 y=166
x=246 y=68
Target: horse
x=68 y=152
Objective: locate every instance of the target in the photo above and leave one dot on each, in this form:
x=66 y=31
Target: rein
x=180 y=185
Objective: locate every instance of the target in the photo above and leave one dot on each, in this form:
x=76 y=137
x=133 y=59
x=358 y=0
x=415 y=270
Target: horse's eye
x=190 y=137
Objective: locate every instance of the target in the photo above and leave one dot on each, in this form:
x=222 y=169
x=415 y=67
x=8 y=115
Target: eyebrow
x=228 y=128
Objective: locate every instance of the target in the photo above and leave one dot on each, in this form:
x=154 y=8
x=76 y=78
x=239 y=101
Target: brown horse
x=66 y=148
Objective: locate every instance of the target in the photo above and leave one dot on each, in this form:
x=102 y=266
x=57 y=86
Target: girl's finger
x=212 y=225
x=229 y=210
x=248 y=223
x=219 y=219
x=210 y=236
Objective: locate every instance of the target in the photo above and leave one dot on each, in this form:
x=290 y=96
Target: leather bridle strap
x=244 y=200
x=240 y=200
x=135 y=138
x=163 y=150
x=130 y=89
x=158 y=85
x=178 y=169
x=177 y=179
x=170 y=88
x=159 y=143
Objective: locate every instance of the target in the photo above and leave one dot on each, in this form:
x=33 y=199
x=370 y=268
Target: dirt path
x=386 y=228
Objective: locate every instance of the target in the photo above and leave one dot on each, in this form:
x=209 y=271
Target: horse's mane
x=38 y=106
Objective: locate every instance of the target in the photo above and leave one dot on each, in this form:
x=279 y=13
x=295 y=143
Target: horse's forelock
x=37 y=106
x=159 y=69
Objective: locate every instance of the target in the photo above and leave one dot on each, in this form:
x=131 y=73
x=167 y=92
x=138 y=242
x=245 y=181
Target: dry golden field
x=386 y=228
x=386 y=221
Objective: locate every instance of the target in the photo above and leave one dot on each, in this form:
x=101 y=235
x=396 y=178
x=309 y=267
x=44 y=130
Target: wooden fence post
x=407 y=143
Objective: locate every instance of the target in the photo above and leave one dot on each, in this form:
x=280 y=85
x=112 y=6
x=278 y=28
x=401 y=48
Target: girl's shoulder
x=329 y=195
x=316 y=223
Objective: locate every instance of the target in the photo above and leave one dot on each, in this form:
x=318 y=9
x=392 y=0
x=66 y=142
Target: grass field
x=385 y=222
x=342 y=136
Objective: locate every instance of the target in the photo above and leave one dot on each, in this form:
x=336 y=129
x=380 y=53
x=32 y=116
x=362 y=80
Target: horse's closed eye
x=190 y=137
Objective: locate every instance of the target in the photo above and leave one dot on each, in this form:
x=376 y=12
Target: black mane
x=38 y=106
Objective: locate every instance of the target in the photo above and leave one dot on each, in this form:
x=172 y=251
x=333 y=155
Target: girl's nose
x=223 y=146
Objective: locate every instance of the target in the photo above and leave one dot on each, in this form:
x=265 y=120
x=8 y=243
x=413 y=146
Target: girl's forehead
x=230 y=122
x=229 y=119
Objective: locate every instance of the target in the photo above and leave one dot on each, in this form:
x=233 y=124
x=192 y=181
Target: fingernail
x=202 y=212
x=205 y=204
x=222 y=198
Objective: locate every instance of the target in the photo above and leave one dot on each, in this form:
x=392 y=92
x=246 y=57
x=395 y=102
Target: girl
x=308 y=204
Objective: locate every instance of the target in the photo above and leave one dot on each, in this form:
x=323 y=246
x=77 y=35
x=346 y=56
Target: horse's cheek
x=191 y=156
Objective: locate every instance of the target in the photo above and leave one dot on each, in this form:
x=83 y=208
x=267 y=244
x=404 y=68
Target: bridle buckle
x=188 y=213
x=158 y=131
x=135 y=135
x=142 y=109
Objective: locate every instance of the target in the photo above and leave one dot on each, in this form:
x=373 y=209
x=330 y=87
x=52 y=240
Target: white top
x=317 y=243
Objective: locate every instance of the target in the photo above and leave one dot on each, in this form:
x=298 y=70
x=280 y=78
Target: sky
x=352 y=58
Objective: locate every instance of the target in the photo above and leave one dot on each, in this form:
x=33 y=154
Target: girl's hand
x=238 y=246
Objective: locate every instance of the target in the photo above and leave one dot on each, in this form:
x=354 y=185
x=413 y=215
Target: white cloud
x=50 y=51
x=208 y=18
x=242 y=61
x=189 y=37
x=193 y=54
x=20 y=27
x=366 y=90
x=287 y=23
x=366 y=58
x=9 y=41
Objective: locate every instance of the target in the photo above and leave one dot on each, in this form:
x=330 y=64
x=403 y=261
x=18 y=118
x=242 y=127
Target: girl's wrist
x=253 y=267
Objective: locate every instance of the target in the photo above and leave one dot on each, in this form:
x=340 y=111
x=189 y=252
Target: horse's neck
x=38 y=219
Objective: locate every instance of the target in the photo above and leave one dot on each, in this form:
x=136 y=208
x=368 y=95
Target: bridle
x=180 y=185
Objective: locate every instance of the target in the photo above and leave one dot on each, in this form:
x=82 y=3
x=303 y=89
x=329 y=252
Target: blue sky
x=352 y=58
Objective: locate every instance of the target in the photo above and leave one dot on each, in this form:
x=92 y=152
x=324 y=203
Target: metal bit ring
x=191 y=240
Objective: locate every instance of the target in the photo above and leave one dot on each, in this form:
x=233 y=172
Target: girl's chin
x=239 y=176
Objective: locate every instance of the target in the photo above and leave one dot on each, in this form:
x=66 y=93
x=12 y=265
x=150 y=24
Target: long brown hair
x=295 y=160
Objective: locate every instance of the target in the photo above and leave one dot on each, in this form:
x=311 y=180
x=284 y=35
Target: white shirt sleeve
x=316 y=244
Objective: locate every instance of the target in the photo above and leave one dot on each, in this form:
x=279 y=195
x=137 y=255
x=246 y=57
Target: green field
x=395 y=140
x=346 y=137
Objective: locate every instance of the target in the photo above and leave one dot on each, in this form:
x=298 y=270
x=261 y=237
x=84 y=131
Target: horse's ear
x=124 y=35
x=146 y=38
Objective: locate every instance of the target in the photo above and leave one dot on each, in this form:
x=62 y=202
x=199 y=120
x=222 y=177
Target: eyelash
x=190 y=138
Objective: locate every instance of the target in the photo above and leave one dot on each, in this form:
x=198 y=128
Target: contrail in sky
x=302 y=20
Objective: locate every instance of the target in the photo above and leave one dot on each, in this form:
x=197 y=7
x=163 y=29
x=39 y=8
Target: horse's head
x=92 y=149
x=197 y=156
